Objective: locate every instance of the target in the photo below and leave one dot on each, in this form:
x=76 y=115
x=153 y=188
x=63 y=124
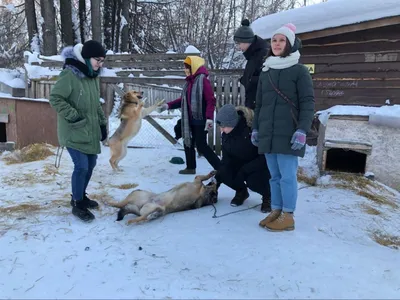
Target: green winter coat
x=79 y=113
x=272 y=115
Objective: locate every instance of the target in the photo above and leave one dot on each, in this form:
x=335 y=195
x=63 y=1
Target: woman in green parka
x=81 y=123
x=282 y=117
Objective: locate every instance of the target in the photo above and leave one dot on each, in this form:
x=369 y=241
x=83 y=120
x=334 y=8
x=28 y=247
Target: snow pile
x=326 y=15
x=192 y=50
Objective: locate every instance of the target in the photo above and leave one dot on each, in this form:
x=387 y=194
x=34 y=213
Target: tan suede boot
x=285 y=222
x=271 y=217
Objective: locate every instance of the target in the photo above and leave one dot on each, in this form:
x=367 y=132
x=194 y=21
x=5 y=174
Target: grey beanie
x=227 y=116
x=244 y=34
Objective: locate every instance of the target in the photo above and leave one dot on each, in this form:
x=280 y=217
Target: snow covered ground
x=47 y=253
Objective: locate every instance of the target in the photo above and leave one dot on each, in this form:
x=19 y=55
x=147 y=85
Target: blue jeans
x=283 y=182
x=83 y=169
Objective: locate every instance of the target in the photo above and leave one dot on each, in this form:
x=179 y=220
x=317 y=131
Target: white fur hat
x=287 y=30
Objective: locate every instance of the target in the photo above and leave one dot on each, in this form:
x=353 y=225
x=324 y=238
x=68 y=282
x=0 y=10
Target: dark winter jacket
x=208 y=95
x=237 y=150
x=273 y=118
x=254 y=55
x=76 y=99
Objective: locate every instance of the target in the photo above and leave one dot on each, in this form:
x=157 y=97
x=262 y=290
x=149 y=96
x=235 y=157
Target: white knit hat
x=287 y=30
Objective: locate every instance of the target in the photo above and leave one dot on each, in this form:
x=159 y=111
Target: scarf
x=196 y=105
x=87 y=70
x=277 y=62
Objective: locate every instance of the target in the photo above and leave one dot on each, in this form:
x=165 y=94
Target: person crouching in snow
x=81 y=123
x=197 y=103
x=241 y=166
x=282 y=117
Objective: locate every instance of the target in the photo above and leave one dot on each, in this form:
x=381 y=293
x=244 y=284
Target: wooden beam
x=160 y=129
x=350 y=28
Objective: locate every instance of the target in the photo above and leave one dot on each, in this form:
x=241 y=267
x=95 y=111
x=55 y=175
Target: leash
x=232 y=212
x=244 y=209
x=58 y=157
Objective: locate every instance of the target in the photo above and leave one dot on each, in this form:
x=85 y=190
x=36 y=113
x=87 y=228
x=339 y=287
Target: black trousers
x=199 y=138
x=257 y=181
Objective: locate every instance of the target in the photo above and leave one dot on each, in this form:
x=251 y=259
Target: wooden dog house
x=349 y=142
x=25 y=121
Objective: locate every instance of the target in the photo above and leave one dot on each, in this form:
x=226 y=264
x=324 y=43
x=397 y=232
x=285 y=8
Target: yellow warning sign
x=311 y=68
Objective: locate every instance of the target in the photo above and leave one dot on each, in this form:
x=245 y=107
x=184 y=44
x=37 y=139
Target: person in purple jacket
x=197 y=103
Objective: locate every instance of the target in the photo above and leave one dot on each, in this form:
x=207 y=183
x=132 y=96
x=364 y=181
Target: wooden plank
x=161 y=130
x=218 y=89
x=392 y=75
x=322 y=103
x=227 y=90
x=355 y=83
x=157 y=73
x=350 y=28
x=343 y=58
x=366 y=46
x=144 y=80
x=358 y=67
x=152 y=65
x=148 y=56
x=349 y=117
x=379 y=33
x=235 y=91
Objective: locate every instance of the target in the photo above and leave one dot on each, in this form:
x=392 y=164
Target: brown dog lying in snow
x=148 y=206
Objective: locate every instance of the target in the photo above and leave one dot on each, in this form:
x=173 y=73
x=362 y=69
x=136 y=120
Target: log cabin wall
x=361 y=67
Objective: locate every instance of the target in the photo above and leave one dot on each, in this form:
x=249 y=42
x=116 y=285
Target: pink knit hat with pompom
x=287 y=30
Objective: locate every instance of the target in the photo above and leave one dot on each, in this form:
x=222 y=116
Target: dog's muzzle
x=212 y=196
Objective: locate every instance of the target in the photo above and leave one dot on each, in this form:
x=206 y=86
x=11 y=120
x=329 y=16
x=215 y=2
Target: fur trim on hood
x=247 y=113
x=74 y=52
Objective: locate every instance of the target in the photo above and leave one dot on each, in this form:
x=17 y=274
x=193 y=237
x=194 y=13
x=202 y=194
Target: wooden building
x=351 y=48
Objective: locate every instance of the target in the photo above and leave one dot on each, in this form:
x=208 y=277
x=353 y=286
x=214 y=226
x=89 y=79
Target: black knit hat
x=227 y=116
x=93 y=49
x=244 y=34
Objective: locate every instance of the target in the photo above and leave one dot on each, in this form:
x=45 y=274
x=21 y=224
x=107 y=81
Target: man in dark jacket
x=254 y=50
x=241 y=167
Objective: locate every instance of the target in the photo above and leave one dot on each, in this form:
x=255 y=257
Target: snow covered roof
x=333 y=13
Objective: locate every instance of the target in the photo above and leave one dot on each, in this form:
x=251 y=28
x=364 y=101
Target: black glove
x=103 y=129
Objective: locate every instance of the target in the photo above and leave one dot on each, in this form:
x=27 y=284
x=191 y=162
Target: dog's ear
x=126 y=97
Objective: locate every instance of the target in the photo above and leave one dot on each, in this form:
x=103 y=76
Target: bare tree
x=108 y=23
x=48 y=27
x=31 y=23
x=125 y=26
x=67 y=32
x=96 y=19
x=82 y=20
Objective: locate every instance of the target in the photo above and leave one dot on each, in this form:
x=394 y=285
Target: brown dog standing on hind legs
x=148 y=205
x=131 y=114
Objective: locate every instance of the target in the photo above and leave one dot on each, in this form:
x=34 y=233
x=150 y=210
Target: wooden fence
x=227 y=89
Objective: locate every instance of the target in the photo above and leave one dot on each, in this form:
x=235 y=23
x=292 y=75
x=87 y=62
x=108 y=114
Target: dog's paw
x=212 y=173
x=161 y=102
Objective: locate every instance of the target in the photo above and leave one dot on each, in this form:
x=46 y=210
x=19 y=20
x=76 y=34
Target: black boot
x=240 y=196
x=187 y=171
x=80 y=210
x=266 y=204
x=89 y=202
x=86 y=202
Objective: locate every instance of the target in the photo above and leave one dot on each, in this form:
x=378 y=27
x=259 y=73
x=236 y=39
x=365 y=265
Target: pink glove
x=298 y=140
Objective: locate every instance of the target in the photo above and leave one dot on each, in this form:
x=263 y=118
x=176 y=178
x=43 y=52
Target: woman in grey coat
x=282 y=117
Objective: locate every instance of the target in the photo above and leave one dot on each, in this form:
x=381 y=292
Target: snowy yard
x=47 y=253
